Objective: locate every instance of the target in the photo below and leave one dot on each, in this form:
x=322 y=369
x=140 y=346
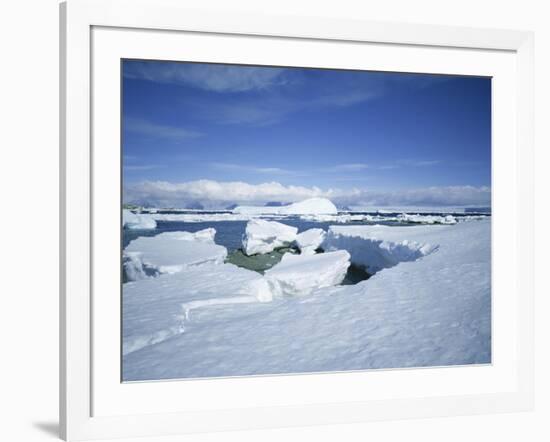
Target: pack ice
x=428 y=304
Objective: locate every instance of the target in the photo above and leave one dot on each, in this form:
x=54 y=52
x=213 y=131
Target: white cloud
x=213 y=193
x=217 y=78
x=429 y=196
x=217 y=194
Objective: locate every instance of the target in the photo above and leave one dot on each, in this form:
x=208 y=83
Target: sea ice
x=137 y=222
x=426 y=219
x=171 y=252
x=301 y=274
x=156 y=309
x=265 y=236
x=432 y=310
x=378 y=247
x=310 y=240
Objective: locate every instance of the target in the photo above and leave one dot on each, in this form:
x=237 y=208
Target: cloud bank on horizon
x=226 y=134
x=219 y=195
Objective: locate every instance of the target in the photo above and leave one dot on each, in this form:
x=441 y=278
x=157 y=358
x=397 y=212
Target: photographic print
x=287 y=220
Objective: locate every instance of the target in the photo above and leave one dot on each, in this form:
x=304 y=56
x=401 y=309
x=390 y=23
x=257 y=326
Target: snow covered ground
x=429 y=304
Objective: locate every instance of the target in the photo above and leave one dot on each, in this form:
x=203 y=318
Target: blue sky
x=193 y=132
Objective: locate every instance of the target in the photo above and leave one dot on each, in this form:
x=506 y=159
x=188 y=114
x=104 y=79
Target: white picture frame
x=91 y=408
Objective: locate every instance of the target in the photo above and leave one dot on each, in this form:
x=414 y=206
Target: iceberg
x=263 y=236
x=301 y=274
x=309 y=206
x=171 y=252
x=310 y=240
x=137 y=222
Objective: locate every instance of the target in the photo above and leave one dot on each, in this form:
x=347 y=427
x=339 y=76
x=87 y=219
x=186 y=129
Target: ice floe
x=263 y=236
x=137 y=222
x=310 y=240
x=171 y=252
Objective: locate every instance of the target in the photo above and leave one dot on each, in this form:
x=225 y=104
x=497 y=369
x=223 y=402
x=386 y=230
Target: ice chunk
x=310 y=240
x=137 y=222
x=171 y=252
x=265 y=236
x=301 y=274
x=309 y=206
x=378 y=247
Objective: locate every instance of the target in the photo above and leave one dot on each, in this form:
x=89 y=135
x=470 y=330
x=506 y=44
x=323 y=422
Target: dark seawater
x=229 y=233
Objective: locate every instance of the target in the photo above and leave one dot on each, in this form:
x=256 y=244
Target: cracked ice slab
x=265 y=236
x=171 y=252
x=156 y=309
x=379 y=247
x=310 y=240
x=302 y=274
